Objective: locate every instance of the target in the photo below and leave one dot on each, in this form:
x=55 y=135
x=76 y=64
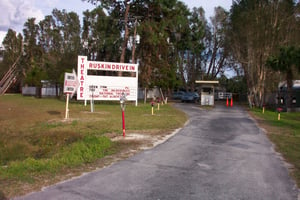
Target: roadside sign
x=71 y=83
x=106 y=85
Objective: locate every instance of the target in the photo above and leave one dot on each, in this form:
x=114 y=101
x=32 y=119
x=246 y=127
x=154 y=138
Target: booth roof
x=208 y=82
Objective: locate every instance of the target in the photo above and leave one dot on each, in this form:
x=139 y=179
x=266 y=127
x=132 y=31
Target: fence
x=224 y=95
x=43 y=92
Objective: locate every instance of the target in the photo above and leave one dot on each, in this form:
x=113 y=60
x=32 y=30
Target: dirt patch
x=146 y=140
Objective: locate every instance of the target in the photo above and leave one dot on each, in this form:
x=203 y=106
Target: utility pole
x=126 y=35
x=133 y=42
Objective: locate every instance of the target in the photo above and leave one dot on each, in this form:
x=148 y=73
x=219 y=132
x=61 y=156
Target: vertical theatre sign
x=102 y=77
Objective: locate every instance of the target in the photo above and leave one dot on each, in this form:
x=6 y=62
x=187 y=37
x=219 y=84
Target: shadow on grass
x=52 y=112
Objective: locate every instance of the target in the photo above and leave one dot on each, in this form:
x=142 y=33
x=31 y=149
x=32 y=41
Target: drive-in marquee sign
x=103 y=87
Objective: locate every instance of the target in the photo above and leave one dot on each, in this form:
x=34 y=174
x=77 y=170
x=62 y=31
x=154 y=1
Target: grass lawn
x=285 y=134
x=38 y=147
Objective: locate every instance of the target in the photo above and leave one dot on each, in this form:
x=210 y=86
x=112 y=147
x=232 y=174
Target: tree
x=32 y=52
x=192 y=53
x=11 y=56
x=121 y=10
x=47 y=39
x=163 y=32
x=217 y=51
x=50 y=41
x=101 y=35
x=169 y=53
x=257 y=28
x=68 y=31
x=13 y=48
x=65 y=37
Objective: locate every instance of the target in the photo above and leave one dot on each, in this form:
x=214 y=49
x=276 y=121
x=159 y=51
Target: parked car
x=190 y=97
x=177 y=95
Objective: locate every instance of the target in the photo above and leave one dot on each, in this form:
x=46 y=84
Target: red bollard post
x=122 y=103
x=231 y=102
x=123 y=122
x=227 y=102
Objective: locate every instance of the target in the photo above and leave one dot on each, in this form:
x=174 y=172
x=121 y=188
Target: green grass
x=37 y=143
x=86 y=150
x=285 y=134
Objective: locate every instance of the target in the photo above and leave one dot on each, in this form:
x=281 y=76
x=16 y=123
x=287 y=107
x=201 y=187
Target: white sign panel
x=106 y=87
x=70 y=83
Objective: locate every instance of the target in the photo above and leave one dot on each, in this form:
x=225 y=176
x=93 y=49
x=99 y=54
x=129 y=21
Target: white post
x=162 y=96
x=92 y=89
x=137 y=85
x=92 y=105
x=145 y=96
x=67 y=106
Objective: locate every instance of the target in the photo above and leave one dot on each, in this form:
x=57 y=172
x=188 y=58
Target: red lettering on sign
x=70 y=83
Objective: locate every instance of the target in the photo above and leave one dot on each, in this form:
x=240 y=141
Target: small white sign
x=71 y=83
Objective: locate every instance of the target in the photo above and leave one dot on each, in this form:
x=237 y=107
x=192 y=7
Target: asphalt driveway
x=220 y=154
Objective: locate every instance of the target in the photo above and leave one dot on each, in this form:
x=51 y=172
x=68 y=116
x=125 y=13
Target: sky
x=14 y=13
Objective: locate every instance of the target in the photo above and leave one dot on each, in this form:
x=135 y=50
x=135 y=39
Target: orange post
x=279 y=110
x=152 y=104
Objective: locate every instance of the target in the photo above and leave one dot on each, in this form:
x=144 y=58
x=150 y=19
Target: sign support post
x=123 y=122
x=92 y=89
x=123 y=105
x=67 y=107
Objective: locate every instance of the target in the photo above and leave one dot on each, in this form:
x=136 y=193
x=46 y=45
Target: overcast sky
x=14 y=13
